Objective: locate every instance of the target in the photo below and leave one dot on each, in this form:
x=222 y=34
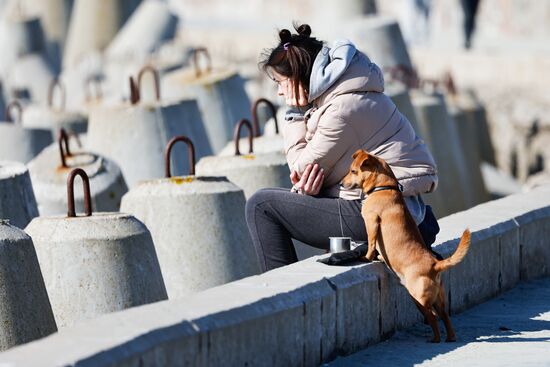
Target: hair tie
x=285 y=46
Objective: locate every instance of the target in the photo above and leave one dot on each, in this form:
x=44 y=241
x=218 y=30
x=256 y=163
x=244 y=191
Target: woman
x=339 y=107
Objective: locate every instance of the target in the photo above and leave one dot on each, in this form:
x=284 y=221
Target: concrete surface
x=306 y=313
x=96 y=265
x=17 y=201
x=21 y=144
x=25 y=311
x=199 y=230
x=511 y=330
x=250 y=172
x=49 y=179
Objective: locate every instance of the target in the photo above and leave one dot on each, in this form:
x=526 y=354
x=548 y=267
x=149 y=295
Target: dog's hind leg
x=432 y=320
x=372 y=223
x=439 y=306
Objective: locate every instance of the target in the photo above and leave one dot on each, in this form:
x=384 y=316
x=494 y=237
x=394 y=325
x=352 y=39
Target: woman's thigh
x=311 y=219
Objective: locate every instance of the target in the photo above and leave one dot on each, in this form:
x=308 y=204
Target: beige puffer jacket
x=354 y=114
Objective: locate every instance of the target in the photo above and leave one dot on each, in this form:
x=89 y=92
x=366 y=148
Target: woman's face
x=285 y=88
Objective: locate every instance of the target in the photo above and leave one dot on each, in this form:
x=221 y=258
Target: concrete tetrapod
x=134 y=135
x=440 y=134
x=381 y=39
x=198 y=228
x=262 y=144
x=466 y=128
x=250 y=172
x=93 y=26
x=150 y=25
x=400 y=96
x=55 y=117
x=25 y=311
x=220 y=94
x=18 y=143
x=17 y=202
x=95 y=264
x=49 y=172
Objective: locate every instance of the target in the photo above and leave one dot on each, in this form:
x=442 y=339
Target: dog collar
x=381 y=188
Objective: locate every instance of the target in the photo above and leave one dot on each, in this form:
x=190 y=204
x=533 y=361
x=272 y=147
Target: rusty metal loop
x=404 y=74
x=63 y=139
x=70 y=192
x=168 y=153
x=51 y=89
x=255 y=120
x=152 y=70
x=88 y=86
x=195 y=57
x=10 y=107
x=134 y=92
x=237 y=134
x=449 y=83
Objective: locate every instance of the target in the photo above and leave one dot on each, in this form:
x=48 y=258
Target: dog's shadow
x=516 y=316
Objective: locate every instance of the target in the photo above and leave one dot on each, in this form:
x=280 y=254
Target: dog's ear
x=366 y=161
x=357 y=153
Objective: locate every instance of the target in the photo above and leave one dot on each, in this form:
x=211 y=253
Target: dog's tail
x=458 y=255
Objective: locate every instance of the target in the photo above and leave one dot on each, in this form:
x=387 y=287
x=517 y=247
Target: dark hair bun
x=285 y=35
x=304 y=30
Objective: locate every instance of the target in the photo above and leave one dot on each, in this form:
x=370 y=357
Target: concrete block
x=17 y=201
x=96 y=265
x=31 y=73
x=358 y=306
x=534 y=244
x=176 y=211
x=25 y=311
x=53 y=118
x=221 y=97
x=250 y=172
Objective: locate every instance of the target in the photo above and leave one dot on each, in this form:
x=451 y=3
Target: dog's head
x=368 y=171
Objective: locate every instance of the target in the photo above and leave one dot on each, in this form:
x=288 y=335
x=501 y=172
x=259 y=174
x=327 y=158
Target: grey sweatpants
x=276 y=216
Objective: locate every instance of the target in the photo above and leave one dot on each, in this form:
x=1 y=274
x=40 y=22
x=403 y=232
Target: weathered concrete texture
x=135 y=137
x=467 y=131
x=149 y=26
x=17 y=201
x=21 y=144
x=301 y=314
x=96 y=265
x=381 y=39
x=52 y=118
x=400 y=96
x=511 y=330
x=32 y=75
x=93 y=26
x=440 y=135
x=50 y=181
x=199 y=231
x=25 y=311
x=221 y=97
x=250 y=172
x=262 y=145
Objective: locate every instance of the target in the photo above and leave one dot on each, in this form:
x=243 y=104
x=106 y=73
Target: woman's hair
x=294 y=56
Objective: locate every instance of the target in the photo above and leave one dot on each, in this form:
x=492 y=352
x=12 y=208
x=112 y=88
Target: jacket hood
x=342 y=69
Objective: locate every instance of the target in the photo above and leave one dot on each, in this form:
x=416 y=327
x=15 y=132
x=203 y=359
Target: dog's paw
x=434 y=340
x=450 y=340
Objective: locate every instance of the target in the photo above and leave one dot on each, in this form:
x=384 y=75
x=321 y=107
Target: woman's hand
x=310 y=182
x=290 y=95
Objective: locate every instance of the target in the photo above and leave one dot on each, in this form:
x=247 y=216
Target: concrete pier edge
x=307 y=313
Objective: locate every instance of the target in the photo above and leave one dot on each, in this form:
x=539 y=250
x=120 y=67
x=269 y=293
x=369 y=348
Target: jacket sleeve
x=326 y=147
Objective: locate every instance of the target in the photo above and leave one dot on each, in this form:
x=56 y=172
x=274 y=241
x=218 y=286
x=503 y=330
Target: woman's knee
x=261 y=197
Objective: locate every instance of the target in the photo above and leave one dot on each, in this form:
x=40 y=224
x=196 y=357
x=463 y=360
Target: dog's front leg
x=372 y=222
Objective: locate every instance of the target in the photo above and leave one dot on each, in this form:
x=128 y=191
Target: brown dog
x=393 y=233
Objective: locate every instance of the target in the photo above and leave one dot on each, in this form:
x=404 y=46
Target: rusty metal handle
x=10 y=107
x=70 y=192
x=168 y=154
x=134 y=92
x=404 y=74
x=56 y=84
x=256 y=122
x=237 y=134
x=195 y=56
x=152 y=70
x=449 y=83
x=88 y=86
x=63 y=139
